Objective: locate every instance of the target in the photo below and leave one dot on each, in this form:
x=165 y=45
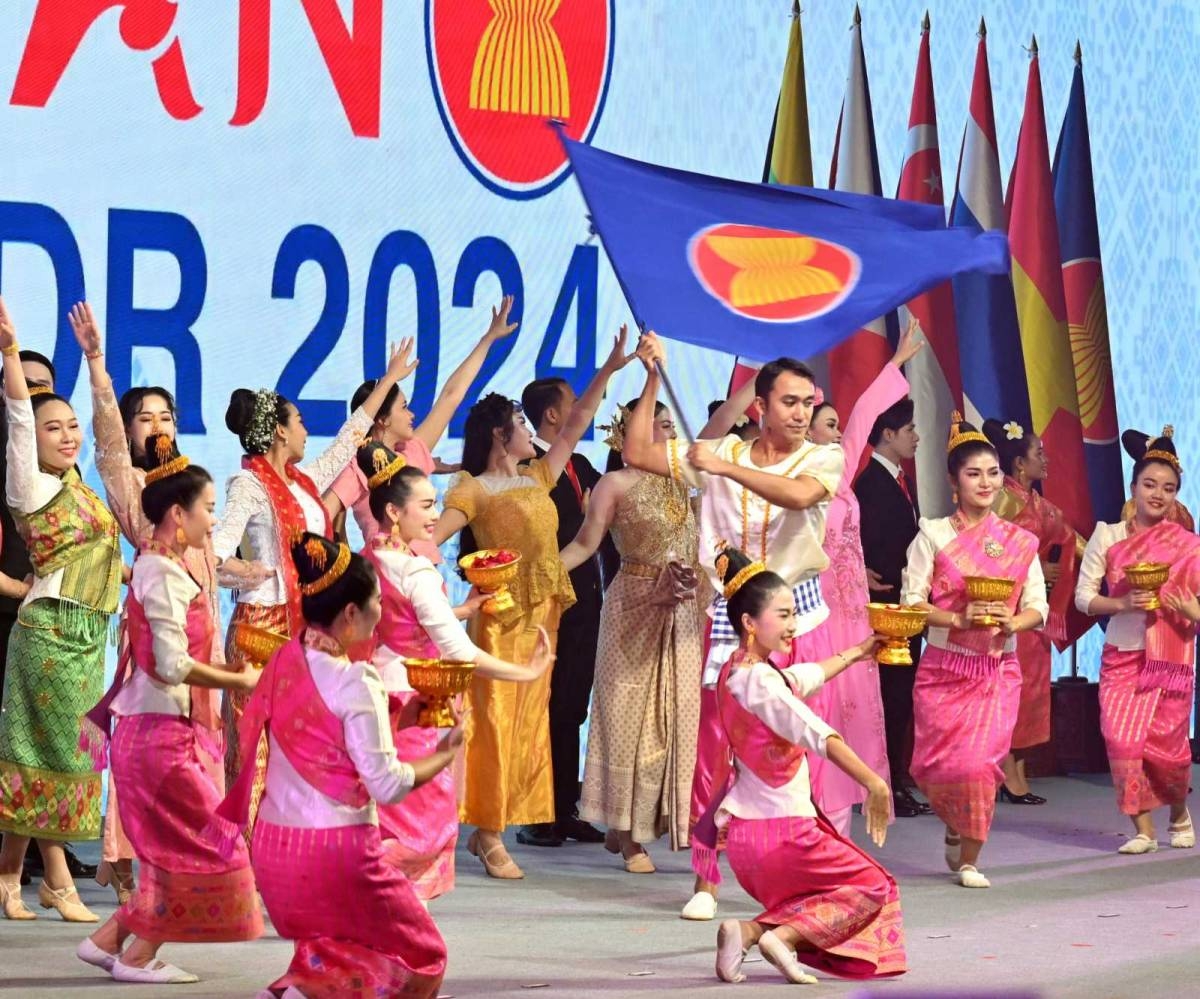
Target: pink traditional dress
x=419 y=833
x=851 y=701
x=351 y=488
x=783 y=851
x=166 y=761
x=1027 y=508
x=123 y=485
x=968 y=682
x=358 y=927
x=732 y=514
x=1147 y=669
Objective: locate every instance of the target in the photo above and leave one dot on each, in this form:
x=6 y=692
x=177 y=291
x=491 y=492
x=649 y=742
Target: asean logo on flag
x=1083 y=284
x=502 y=69
x=773 y=275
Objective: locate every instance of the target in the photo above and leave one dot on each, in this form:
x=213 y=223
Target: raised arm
x=600 y=511
x=454 y=391
x=14 y=374
x=640 y=450
x=723 y=420
x=584 y=410
x=889 y=386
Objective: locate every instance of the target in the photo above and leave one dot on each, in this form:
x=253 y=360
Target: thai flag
x=854 y=363
x=1087 y=312
x=933 y=375
x=992 y=364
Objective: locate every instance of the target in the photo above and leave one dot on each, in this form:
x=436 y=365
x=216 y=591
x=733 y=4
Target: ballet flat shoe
x=66 y=901
x=784 y=959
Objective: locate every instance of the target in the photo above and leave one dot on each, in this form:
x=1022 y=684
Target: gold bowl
x=492 y=579
x=1149 y=578
x=988 y=589
x=257 y=644
x=438 y=681
x=898 y=624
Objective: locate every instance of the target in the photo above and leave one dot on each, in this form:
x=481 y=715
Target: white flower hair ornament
x=1013 y=430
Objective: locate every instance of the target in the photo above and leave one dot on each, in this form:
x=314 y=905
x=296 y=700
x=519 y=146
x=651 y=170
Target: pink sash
x=310 y=735
x=993 y=547
x=1170 y=637
x=399 y=628
x=769 y=756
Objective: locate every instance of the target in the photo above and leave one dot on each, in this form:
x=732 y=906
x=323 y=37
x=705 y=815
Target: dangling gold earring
x=180 y=537
x=396 y=531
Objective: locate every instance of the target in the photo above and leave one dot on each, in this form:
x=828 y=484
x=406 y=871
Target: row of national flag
x=1030 y=346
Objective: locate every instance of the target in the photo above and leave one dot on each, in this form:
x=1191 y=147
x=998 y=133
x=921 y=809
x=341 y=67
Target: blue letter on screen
x=171 y=328
x=44 y=227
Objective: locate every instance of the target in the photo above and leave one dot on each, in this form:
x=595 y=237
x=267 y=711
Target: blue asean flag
x=762 y=270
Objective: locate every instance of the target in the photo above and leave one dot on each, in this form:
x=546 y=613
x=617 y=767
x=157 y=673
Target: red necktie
x=570 y=470
x=902 y=481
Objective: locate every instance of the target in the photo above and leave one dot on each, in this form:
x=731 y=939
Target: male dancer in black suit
x=888 y=501
x=546 y=403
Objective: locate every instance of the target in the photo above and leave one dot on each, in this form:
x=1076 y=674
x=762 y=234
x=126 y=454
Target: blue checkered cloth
x=808 y=599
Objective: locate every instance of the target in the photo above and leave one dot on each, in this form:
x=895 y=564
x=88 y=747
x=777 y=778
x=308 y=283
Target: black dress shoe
x=25 y=878
x=906 y=806
x=573 y=827
x=540 y=834
x=77 y=867
x=1028 y=798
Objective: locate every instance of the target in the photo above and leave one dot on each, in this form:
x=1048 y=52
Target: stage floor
x=1067 y=917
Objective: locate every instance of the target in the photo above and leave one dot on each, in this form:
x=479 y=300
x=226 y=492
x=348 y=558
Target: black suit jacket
x=889 y=524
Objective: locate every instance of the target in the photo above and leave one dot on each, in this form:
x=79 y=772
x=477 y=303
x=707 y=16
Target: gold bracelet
x=92 y=357
x=10 y=350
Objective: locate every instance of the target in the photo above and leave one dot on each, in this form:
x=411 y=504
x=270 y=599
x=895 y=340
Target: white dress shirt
x=354 y=692
x=421 y=585
x=934 y=534
x=1127 y=630
x=762 y=691
x=248 y=521
x=164 y=589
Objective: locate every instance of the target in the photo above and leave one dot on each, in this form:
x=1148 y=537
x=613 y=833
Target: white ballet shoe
x=1139 y=844
x=155 y=973
x=969 y=877
x=1183 y=834
x=953 y=853
x=701 y=907
x=784 y=958
x=89 y=953
x=730 y=952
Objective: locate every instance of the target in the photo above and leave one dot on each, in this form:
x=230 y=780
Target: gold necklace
x=738 y=451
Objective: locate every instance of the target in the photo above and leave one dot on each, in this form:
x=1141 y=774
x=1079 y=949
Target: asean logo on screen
x=502 y=69
x=773 y=275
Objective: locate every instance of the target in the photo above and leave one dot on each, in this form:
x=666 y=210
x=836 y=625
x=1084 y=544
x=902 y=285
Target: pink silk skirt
x=419 y=832
x=1146 y=734
x=359 y=929
x=188 y=890
x=964 y=709
x=844 y=905
x=1033 y=714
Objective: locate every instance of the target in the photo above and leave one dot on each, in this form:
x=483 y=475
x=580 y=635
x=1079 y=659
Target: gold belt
x=642 y=569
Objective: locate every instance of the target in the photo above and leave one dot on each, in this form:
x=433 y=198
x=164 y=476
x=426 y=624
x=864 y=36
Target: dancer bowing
x=508 y=777
x=272 y=497
x=968 y=682
x=166 y=757
x=418 y=622
x=641 y=749
x=1024 y=462
x=394 y=427
x=357 y=924
x=828 y=904
x=771 y=493
x=1147 y=669
x=55 y=669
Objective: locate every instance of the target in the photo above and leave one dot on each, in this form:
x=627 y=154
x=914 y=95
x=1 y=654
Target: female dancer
x=508 y=776
x=1147 y=670
x=121 y=431
x=357 y=924
x=852 y=703
x=165 y=753
x=394 y=428
x=969 y=681
x=55 y=668
x=271 y=498
x=1023 y=461
x=828 y=904
x=646 y=701
x=418 y=622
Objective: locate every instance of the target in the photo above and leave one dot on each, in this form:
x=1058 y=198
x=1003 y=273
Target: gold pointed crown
x=962 y=432
x=1163 y=449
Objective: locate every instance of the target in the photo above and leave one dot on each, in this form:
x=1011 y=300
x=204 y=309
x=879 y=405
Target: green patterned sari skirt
x=53 y=677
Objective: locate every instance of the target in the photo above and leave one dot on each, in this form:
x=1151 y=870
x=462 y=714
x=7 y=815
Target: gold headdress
x=739 y=563
x=36 y=390
x=962 y=433
x=384 y=469
x=335 y=572
x=616 y=430
x=161 y=449
x=1163 y=449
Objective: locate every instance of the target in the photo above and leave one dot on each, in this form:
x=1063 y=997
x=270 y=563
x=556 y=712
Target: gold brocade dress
x=646 y=700
x=508 y=778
